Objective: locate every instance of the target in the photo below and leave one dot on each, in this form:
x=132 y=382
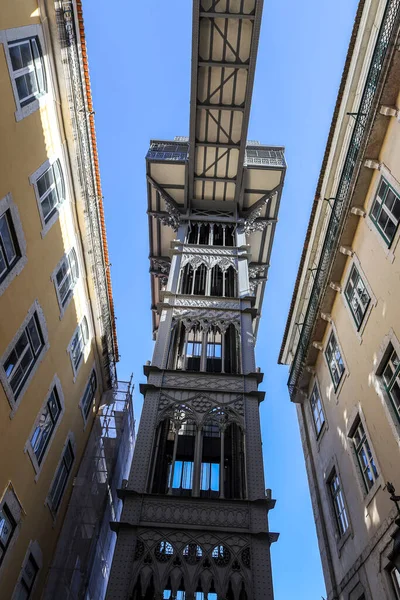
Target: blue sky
x=139 y=56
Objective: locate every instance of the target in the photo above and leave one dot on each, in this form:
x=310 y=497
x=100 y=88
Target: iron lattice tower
x=195 y=518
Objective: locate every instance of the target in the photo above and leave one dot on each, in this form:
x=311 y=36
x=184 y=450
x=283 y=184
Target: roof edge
x=325 y=159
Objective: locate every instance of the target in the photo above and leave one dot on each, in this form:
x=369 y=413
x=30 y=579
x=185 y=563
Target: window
x=339 y=507
x=209 y=477
x=27 y=69
x=335 y=361
x=317 y=410
x=211 y=234
x=78 y=343
x=364 y=455
x=193 y=350
x=66 y=277
x=28 y=578
x=7 y=528
x=61 y=478
x=391 y=380
x=89 y=394
x=357 y=296
x=51 y=191
x=46 y=425
x=214 y=355
x=183 y=475
x=9 y=249
x=385 y=212
x=24 y=355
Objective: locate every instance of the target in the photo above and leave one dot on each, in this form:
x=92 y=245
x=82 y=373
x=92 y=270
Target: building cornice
x=349 y=179
x=74 y=53
x=333 y=127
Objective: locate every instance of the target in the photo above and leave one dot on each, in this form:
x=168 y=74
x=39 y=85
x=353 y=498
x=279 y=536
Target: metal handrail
x=363 y=114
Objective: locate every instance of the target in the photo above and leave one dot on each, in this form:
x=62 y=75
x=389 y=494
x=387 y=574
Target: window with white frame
x=22 y=358
x=28 y=578
x=9 y=248
x=362 y=449
x=66 y=277
x=391 y=379
x=89 y=394
x=78 y=343
x=61 y=478
x=27 y=69
x=385 y=212
x=46 y=425
x=7 y=528
x=339 y=507
x=335 y=360
x=51 y=191
x=357 y=296
x=317 y=410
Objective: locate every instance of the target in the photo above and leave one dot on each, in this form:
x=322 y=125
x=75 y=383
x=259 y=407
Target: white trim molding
x=55 y=384
x=13 y=504
x=84 y=417
x=86 y=347
x=372 y=303
x=14 y=402
x=36 y=553
x=20 y=33
x=7 y=204
x=70 y=439
x=33 y=179
x=75 y=278
x=357 y=415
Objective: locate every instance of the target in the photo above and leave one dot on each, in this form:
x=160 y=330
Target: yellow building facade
x=342 y=339
x=58 y=343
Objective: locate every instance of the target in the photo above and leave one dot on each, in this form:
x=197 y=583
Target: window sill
x=378 y=484
x=29 y=109
x=15 y=271
x=321 y=435
x=340 y=542
x=340 y=385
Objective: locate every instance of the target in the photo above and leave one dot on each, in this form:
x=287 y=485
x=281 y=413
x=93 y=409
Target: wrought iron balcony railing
x=265 y=157
x=168 y=151
x=178 y=150
x=390 y=19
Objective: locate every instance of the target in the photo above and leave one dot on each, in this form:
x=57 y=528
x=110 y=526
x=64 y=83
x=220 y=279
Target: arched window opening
x=212 y=351
x=187 y=279
x=181 y=470
x=162 y=456
x=204 y=234
x=218 y=235
x=179 y=594
x=234 y=480
x=229 y=235
x=163 y=551
x=210 y=461
x=193 y=349
x=211 y=234
x=230 y=283
x=231 y=351
x=221 y=555
x=200 y=281
x=192 y=553
x=217 y=281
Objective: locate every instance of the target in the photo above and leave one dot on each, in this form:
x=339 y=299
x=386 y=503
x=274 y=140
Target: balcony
x=176 y=151
x=264 y=157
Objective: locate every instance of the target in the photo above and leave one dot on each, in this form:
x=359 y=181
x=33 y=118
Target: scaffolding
x=84 y=552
